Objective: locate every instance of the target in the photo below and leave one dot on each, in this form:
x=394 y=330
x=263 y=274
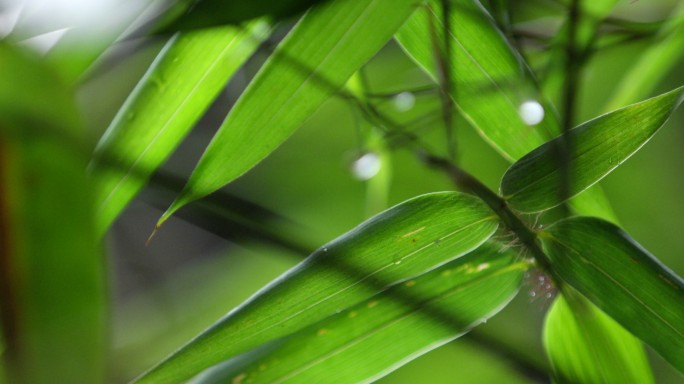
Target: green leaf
x=191 y=14
x=52 y=291
x=377 y=336
x=490 y=79
x=597 y=147
x=586 y=346
x=404 y=241
x=316 y=58
x=604 y=264
x=178 y=87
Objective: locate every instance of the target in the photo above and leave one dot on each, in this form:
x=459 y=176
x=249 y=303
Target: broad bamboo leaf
x=404 y=241
x=178 y=87
x=586 y=346
x=378 y=335
x=317 y=57
x=52 y=295
x=597 y=147
x=191 y=14
x=490 y=80
x=624 y=280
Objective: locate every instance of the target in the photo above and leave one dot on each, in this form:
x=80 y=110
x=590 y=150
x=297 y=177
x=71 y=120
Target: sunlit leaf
x=597 y=147
x=52 y=295
x=490 y=80
x=404 y=241
x=378 y=335
x=624 y=280
x=180 y=85
x=316 y=59
x=586 y=346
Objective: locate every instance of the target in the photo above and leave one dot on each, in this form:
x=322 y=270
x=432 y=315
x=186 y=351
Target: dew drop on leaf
x=531 y=112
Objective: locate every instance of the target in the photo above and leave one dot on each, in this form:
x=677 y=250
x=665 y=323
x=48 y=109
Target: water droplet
x=397 y=262
x=325 y=249
x=533 y=294
x=404 y=101
x=531 y=112
x=366 y=166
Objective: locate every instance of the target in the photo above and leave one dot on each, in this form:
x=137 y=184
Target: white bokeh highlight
x=404 y=101
x=366 y=166
x=531 y=112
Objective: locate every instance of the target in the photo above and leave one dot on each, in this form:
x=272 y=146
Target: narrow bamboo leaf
x=378 y=335
x=191 y=14
x=598 y=146
x=624 y=280
x=174 y=93
x=653 y=65
x=491 y=81
x=317 y=57
x=586 y=346
x=52 y=293
x=404 y=241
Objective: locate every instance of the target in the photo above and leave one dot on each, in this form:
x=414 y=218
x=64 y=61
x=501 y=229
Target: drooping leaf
x=597 y=147
x=587 y=346
x=317 y=57
x=404 y=241
x=378 y=335
x=190 y=14
x=608 y=267
x=178 y=87
x=52 y=292
x=490 y=80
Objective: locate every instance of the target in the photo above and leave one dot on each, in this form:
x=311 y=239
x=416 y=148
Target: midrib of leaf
x=413 y=312
x=357 y=282
x=165 y=126
x=617 y=283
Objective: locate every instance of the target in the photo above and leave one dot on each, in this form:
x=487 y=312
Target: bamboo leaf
x=174 y=93
x=404 y=241
x=378 y=335
x=52 y=291
x=587 y=346
x=316 y=58
x=491 y=81
x=598 y=146
x=624 y=280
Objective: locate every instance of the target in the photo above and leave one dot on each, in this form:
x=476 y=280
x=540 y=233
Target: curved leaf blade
x=397 y=244
x=52 y=283
x=587 y=346
x=608 y=267
x=377 y=336
x=317 y=57
x=490 y=79
x=179 y=86
x=598 y=147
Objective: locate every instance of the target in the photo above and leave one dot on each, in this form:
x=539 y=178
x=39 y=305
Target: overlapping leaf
x=374 y=337
x=317 y=57
x=404 y=241
x=180 y=85
x=52 y=296
x=586 y=346
x=624 y=280
x=597 y=147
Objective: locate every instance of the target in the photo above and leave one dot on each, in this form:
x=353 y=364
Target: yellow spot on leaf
x=410 y=283
x=322 y=331
x=412 y=232
x=372 y=304
x=239 y=378
x=352 y=314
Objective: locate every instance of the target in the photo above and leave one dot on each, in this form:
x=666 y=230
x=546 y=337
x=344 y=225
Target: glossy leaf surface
x=317 y=57
x=624 y=280
x=178 y=87
x=597 y=147
x=378 y=335
x=402 y=242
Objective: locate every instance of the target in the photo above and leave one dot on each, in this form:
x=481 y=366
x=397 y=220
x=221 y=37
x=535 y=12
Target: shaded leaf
x=378 y=335
x=179 y=86
x=52 y=291
x=604 y=264
x=586 y=346
x=597 y=147
x=404 y=241
x=490 y=79
x=315 y=60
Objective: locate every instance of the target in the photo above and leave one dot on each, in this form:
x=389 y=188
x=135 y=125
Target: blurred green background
x=188 y=277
